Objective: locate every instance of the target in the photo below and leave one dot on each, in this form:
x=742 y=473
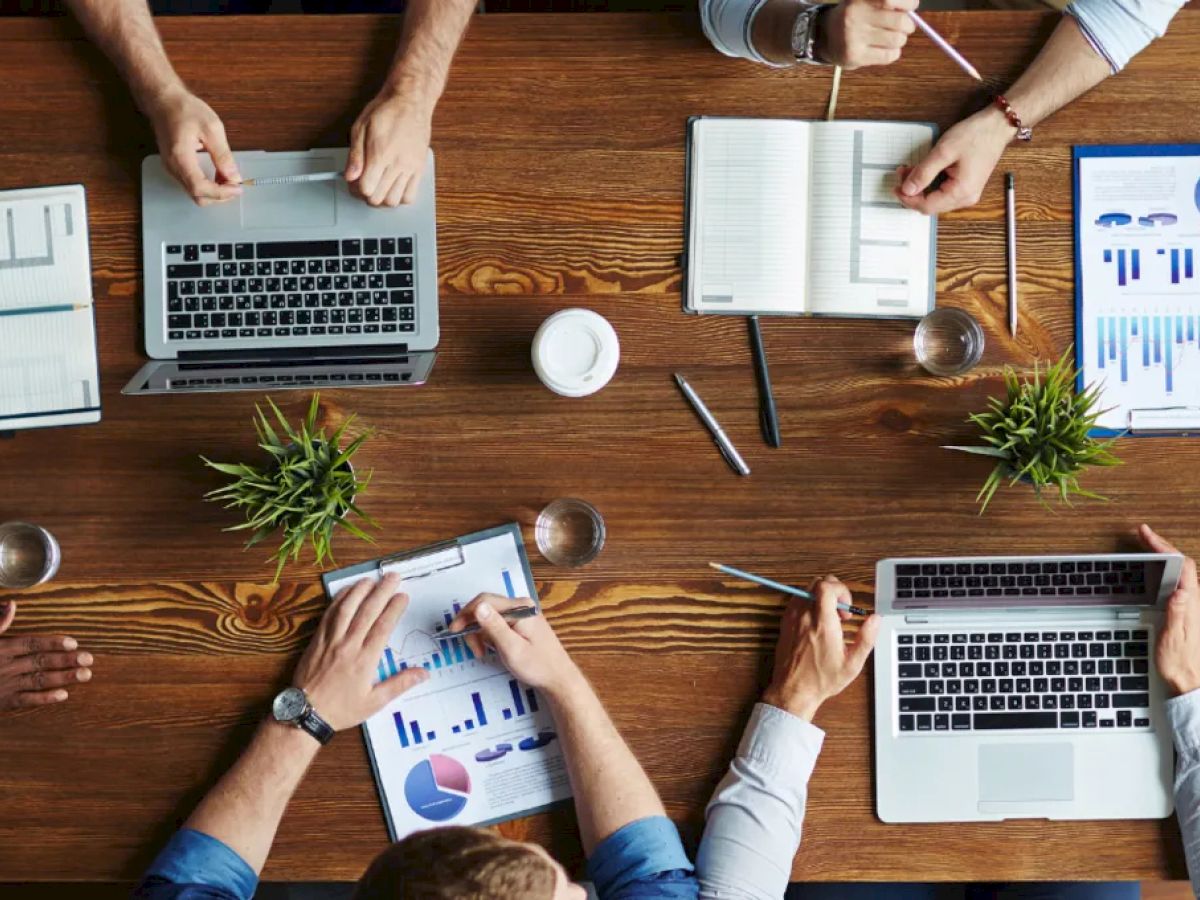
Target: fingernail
x=84 y=659
x=84 y=674
x=483 y=611
x=60 y=695
x=70 y=643
x=909 y=188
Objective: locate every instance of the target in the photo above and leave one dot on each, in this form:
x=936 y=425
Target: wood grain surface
x=560 y=183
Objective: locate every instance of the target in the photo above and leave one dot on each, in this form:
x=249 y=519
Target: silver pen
x=292 y=179
x=1010 y=209
x=723 y=443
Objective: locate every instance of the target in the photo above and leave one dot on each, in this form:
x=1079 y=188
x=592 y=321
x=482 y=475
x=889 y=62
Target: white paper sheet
x=508 y=761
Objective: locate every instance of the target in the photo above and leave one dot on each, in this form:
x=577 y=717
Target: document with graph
x=49 y=372
x=472 y=745
x=788 y=217
x=1137 y=284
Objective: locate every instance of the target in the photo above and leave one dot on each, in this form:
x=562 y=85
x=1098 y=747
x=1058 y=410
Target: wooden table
x=560 y=183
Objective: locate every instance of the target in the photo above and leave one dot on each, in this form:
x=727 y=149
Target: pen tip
x=716 y=566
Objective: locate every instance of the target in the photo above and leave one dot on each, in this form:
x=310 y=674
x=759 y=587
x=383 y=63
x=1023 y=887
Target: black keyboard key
x=182 y=270
x=1135 y=683
x=1139 y=648
x=1089 y=719
x=1022 y=720
x=1124 y=718
x=941 y=722
x=1069 y=719
x=907 y=723
x=289 y=249
x=917 y=704
x=1141 y=723
x=1130 y=701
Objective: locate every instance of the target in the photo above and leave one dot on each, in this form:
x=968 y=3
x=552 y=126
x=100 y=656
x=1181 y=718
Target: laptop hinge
x=314 y=354
x=1130 y=614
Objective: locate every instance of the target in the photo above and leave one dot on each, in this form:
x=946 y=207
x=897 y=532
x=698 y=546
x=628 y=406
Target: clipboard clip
x=1183 y=420
x=421 y=563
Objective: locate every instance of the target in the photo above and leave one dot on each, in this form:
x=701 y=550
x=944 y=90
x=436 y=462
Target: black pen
x=767 y=416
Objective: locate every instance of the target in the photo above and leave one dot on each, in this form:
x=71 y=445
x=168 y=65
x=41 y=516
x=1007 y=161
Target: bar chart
x=1162 y=341
x=1172 y=265
x=465 y=710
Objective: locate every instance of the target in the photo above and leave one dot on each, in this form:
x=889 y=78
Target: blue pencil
x=785 y=588
x=37 y=310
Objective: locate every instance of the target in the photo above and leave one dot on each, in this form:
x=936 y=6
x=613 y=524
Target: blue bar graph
x=532 y=698
x=391 y=660
x=1121 y=267
x=1108 y=256
x=518 y=703
x=1124 y=350
x=507 y=714
x=1164 y=340
x=508 y=585
x=1137 y=264
x=457 y=729
x=400 y=730
x=1174 y=266
x=437 y=661
x=1145 y=341
x=430 y=736
x=479 y=713
x=1187 y=263
x=1170 y=369
x=1157 y=339
x=416 y=731
x=470 y=725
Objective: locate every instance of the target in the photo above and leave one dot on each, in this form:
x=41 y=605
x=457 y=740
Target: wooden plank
x=560 y=182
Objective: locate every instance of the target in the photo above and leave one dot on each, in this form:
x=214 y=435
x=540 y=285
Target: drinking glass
x=569 y=532
x=29 y=555
x=948 y=342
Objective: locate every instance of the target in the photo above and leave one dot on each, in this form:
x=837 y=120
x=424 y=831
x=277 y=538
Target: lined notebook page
x=868 y=254
x=749 y=223
x=47 y=364
x=44 y=248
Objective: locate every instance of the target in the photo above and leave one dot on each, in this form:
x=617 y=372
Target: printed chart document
x=49 y=372
x=1137 y=283
x=472 y=745
x=789 y=217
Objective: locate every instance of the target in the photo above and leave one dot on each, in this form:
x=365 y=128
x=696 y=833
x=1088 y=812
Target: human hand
x=812 y=660
x=337 y=671
x=35 y=670
x=529 y=648
x=388 y=147
x=185 y=125
x=858 y=33
x=1178 y=652
x=967 y=153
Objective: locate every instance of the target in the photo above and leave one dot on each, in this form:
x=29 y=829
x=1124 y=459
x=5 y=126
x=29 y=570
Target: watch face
x=289 y=705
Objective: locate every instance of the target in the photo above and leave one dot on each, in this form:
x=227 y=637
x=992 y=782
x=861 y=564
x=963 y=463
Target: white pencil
x=293 y=179
x=945 y=46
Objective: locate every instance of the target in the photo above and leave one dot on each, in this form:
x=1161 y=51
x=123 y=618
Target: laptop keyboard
x=281 y=289
x=930 y=581
x=975 y=680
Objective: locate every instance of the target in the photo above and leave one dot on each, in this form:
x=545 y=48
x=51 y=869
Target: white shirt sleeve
x=727 y=25
x=752 y=828
x=1184 y=715
x=1121 y=29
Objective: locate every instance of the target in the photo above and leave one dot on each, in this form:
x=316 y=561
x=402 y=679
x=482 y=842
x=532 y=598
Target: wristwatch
x=291 y=707
x=804 y=33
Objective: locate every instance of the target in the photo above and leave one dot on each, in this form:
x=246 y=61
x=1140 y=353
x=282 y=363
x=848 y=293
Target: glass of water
x=29 y=555
x=948 y=341
x=569 y=532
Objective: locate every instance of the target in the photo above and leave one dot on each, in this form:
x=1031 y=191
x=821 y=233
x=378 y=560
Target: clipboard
x=423 y=562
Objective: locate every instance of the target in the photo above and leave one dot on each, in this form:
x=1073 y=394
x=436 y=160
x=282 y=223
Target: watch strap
x=311 y=723
x=804 y=33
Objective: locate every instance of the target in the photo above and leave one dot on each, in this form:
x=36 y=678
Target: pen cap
x=575 y=352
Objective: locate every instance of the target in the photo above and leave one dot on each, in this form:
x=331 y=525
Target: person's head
x=457 y=863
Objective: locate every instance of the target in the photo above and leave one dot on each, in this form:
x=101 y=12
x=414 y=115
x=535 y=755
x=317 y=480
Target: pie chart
x=437 y=788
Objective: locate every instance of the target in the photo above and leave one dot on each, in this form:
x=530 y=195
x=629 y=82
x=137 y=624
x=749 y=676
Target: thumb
x=1177 y=609
x=922 y=174
x=7 y=615
x=861 y=649
x=217 y=146
x=354 y=162
x=496 y=631
x=400 y=683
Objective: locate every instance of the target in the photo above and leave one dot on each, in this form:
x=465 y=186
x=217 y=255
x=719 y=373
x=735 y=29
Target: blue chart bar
x=1157 y=339
x=1121 y=267
x=1124 y=349
x=437 y=661
x=1169 y=369
x=1145 y=341
x=507 y=714
x=1179 y=329
x=1100 y=342
x=381 y=672
x=413 y=727
x=479 y=713
x=508 y=585
x=457 y=729
x=429 y=735
x=532 y=698
x=1164 y=352
x=1112 y=338
x=470 y=725
x=425 y=665
x=1174 y=265
x=403 y=666
x=516 y=695
x=1187 y=263
x=399 y=720
x=1108 y=256
x=391 y=660
x=1137 y=263
x=1191 y=329
x=416 y=731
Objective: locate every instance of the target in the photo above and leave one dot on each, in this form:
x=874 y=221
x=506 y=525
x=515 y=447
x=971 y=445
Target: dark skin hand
x=37 y=669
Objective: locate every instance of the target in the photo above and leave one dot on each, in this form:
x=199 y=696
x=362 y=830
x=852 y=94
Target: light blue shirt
x=1117 y=29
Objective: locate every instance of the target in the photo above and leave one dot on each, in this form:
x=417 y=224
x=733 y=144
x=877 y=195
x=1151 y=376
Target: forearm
x=431 y=35
x=1066 y=68
x=125 y=31
x=244 y=808
x=611 y=789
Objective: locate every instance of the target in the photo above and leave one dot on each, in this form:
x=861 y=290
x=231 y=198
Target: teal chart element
x=437 y=788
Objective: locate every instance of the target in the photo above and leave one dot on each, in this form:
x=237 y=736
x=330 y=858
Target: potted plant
x=306 y=488
x=1039 y=434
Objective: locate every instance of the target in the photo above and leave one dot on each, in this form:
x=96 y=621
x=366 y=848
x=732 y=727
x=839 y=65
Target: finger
x=922 y=174
x=827 y=599
x=40 y=681
x=10 y=613
x=495 y=630
x=949 y=197
x=395 y=194
x=1154 y=541
x=861 y=649
x=386 y=180
x=882 y=39
x=341 y=612
x=903 y=7
x=49 y=662
x=202 y=188
x=467 y=616
x=1176 y=615
x=37 y=643
x=393 y=687
x=386 y=622
x=37 y=698
x=354 y=161
x=410 y=192
x=373 y=172
x=878 y=56
x=372 y=605
x=217 y=145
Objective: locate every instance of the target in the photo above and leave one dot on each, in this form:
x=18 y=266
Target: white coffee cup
x=575 y=352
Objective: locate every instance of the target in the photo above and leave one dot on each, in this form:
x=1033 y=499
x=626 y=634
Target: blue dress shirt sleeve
x=728 y=24
x=1183 y=712
x=197 y=866
x=644 y=859
x=1121 y=29
x=753 y=821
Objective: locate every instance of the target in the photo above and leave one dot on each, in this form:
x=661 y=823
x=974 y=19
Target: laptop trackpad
x=1011 y=775
x=311 y=205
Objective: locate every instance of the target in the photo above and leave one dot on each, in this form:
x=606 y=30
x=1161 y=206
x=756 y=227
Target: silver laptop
x=301 y=277
x=1021 y=687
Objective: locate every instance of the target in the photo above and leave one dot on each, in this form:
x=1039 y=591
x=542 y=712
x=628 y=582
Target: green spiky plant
x=1039 y=434
x=306 y=489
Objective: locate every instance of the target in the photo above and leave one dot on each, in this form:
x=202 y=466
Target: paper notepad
x=49 y=373
x=787 y=217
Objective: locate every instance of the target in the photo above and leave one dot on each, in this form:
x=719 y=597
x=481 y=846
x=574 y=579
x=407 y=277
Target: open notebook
x=787 y=217
x=49 y=374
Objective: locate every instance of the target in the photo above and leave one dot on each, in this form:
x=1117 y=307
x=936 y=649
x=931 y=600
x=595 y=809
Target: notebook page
x=868 y=255
x=748 y=228
x=47 y=365
x=44 y=248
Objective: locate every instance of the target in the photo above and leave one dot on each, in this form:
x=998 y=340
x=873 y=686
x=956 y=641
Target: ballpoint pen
x=511 y=615
x=768 y=416
x=1010 y=209
x=292 y=179
x=785 y=588
x=723 y=443
x=945 y=46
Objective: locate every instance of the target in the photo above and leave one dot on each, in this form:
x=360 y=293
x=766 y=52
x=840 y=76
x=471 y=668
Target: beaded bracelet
x=1024 y=133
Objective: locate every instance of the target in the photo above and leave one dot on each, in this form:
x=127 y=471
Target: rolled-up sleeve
x=197 y=866
x=727 y=25
x=1121 y=29
x=644 y=859
x=1183 y=712
x=753 y=822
